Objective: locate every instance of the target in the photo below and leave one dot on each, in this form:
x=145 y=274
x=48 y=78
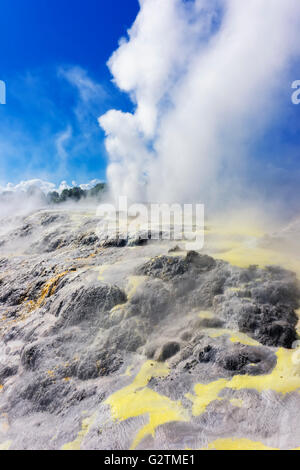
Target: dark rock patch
x=45 y=393
x=168 y=350
x=114 y=243
x=102 y=364
x=153 y=302
x=207 y=354
x=239 y=359
x=202 y=263
x=270 y=325
x=164 y=267
x=169 y=267
x=50 y=219
x=88 y=239
x=211 y=323
x=88 y=303
x=8 y=371
x=32 y=356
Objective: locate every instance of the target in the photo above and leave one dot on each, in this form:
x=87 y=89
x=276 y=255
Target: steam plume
x=202 y=75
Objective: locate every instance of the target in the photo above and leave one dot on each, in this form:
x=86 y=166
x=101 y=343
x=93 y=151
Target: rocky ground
x=109 y=344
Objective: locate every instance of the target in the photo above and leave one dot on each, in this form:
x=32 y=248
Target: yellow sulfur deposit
x=298 y=325
x=137 y=400
x=205 y=394
x=206 y=314
x=234 y=336
x=128 y=372
x=4 y=425
x=245 y=255
x=5 y=445
x=240 y=242
x=237 y=402
x=237 y=444
x=48 y=290
x=85 y=427
x=133 y=283
x=237 y=337
x=102 y=270
x=285 y=378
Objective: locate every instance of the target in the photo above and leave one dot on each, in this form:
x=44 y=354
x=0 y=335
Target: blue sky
x=54 y=55
x=48 y=128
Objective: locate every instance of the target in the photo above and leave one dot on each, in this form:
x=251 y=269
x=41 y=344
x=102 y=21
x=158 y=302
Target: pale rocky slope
x=110 y=345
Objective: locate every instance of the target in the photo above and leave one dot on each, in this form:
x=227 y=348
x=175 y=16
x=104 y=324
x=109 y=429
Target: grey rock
x=69 y=340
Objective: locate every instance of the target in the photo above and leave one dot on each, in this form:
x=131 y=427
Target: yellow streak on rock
x=298 y=325
x=176 y=254
x=236 y=289
x=128 y=372
x=19 y=319
x=245 y=255
x=1 y=388
x=206 y=314
x=133 y=283
x=138 y=400
x=238 y=402
x=234 y=336
x=285 y=378
x=4 y=425
x=240 y=242
x=205 y=394
x=101 y=271
x=117 y=311
x=5 y=445
x=48 y=290
x=85 y=427
x=116 y=308
x=242 y=338
x=237 y=444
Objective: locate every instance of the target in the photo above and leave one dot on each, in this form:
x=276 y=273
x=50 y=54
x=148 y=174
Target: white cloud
x=204 y=76
x=63 y=185
x=61 y=141
x=90 y=96
x=45 y=186
x=87 y=88
x=89 y=185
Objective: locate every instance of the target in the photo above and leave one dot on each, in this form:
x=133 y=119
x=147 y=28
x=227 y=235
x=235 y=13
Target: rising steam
x=203 y=76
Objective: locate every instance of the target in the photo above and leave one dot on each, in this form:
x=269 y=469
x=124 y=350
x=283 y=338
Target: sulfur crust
x=85 y=427
x=285 y=378
x=137 y=400
x=237 y=444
